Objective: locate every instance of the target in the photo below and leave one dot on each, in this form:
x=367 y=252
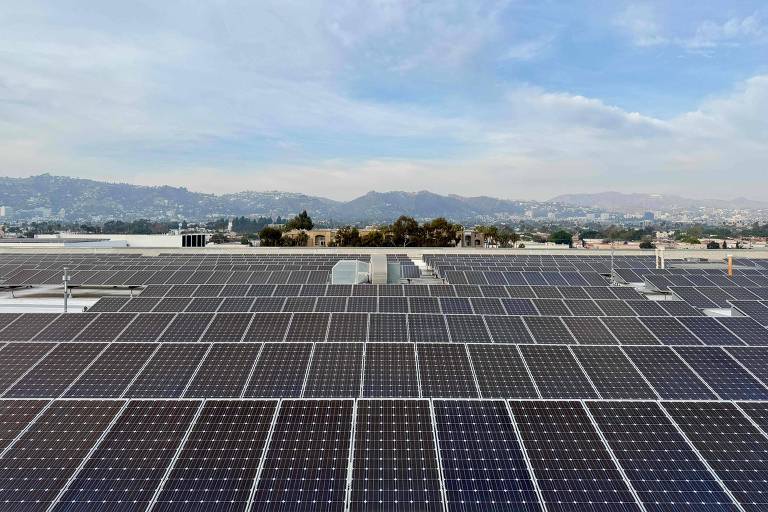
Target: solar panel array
x=547 y=390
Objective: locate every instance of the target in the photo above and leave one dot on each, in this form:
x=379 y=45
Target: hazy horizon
x=512 y=100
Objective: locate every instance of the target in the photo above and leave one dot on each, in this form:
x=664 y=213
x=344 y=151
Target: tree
x=347 y=236
x=405 y=231
x=373 y=238
x=647 y=243
x=270 y=237
x=244 y=240
x=561 y=237
x=725 y=245
x=713 y=245
x=218 y=238
x=439 y=233
x=301 y=221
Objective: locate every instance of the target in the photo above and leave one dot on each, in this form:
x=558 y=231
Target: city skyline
x=514 y=100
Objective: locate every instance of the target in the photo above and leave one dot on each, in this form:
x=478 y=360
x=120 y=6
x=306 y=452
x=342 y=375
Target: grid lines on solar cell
x=129 y=463
x=390 y=371
x=350 y=327
x=548 y=329
x=216 y=467
x=665 y=472
x=483 y=465
x=668 y=374
x=612 y=373
x=224 y=372
x=227 y=327
x=501 y=372
x=146 y=327
x=168 y=371
x=395 y=463
x=56 y=371
x=589 y=331
x=308 y=327
x=112 y=371
x=573 y=468
x=723 y=374
x=27 y=326
x=267 y=327
x=279 y=371
x=556 y=372
x=732 y=446
x=17 y=358
x=15 y=415
x=305 y=467
x=507 y=329
x=467 y=329
x=335 y=371
x=387 y=327
x=45 y=457
x=427 y=329
x=445 y=371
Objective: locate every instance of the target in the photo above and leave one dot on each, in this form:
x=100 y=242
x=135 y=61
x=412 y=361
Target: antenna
x=65 y=279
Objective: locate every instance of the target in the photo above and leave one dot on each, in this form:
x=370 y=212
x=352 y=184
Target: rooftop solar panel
x=508 y=329
x=390 y=371
x=109 y=304
x=548 y=329
x=141 y=304
x=16 y=359
x=227 y=327
x=573 y=468
x=554 y=307
x=224 y=372
x=266 y=327
x=112 y=371
x=335 y=371
x=168 y=371
x=427 y=329
x=348 y=327
x=236 y=304
x=387 y=327
x=395 y=462
x=749 y=331
x=669 y=375
x=583 y=308
x=710 y=331
x=589 y=331
x=331 y=304
x=65 y=327
x=320 y=431
x=556 y=372
x=445 y=371
x=629 y=331
x=267 y=304
x=279 y=371
x=723 y=374
x=186 y=327
x=519 y=306
x=106 y=327
x=146 y=327
x=612 y=374
x=501 y=372
x=362 y=304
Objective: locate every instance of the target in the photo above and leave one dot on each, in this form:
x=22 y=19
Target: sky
x=513 y=99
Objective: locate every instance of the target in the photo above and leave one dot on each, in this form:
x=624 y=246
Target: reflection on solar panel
x=305 y=467
x=501 y=372
x=390 y=371
x=573 y=468
x=663 y=469
x=168 y=371
x=129 y=463
x=483 y=464
x=225 y=371
x=735 y=450
x=668 y=374
x=220 y=458
x=335 y=371
x=112 y=372
x=395 y=462
x=612 y=373
x=39 y=464
x=279 y=371
x=724 y=375
x=445 y=371
x=556 y=372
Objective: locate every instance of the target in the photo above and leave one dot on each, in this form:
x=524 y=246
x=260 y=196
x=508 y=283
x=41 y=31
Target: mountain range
x=77 y=199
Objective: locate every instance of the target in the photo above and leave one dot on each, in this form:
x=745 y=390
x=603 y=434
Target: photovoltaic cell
x=668 y=374
x=589 y=331
x=467 y=329
x=556 y=372
x=348 y=327
x=227 y=327
x=612 y=373
x=670 y=331
x=17 y=358
x=129 y=463
x=106 y=327
x=306 y=462
x=427 y=329
x=548 y=329
x=66 y=327
x=735 y=450
x=279 y=371
x=445 y=371
x=308 y=327
x=629 y=331
x=220 y=458
x=268 y=327
x=387 y=327
x=483 y=465
x=112 y=371
x=168 y=371
x=335 y=371
x=663 y=469
x=390 y=371
x=519 y=306
x=14 y=417
x=508 y=329
x=395 y=462
x=573 y=468
x=225 y=371
x=750 y=332
x=186 y=327
x=723 y=374
x=40 y=463
x=501 y=372
x=146 y=327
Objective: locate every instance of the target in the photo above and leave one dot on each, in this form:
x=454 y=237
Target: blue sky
x=507 y=98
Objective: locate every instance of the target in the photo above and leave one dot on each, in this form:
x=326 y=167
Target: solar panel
x=573 y=468
x=456 y=305
x=331 y=304
x=679 y=308
x=144 y=304
x=664 y=470
x=279 y=371
x=227 y=327
x=583 y=307
x=646 y=308
x=106 y=327
x=445 y=371
x=508 y=329
x=735 y=450
x=146 y=327
x=393 y=304
x=724 y=375
x=427 y=329
x=220 y=458
x=187 y=327
x=40 y=463
x=168 y=371
x=483 y=464
x=225 y=371
x=170 y=305
x=268 y=327
x=556 y=372
x=300 y=304
x=15 y=415
x=204 y=305
x=112 y=371
x=319 y=432
x=629 y=331
x=547 y=292
x=267 y=304
x=487 y=306
x=709 y=331
x=467 y=329
x=335 y=371
x=749 y=331
x=615 y=308
x=66 y=327
x=362 y=304
x=236 y=304
x=554 y=307
x=670 y=331
x=17 y=358
x=346 y=327
x=395 y=463
x=668 y=374
x=387 y=327
x=519 y=306
x=109 y=304
x=56 y=371
x=612 y=373
x=130 y=462
x=501 y=372
x=589 y=330
x=390 y=370
x=548 y=329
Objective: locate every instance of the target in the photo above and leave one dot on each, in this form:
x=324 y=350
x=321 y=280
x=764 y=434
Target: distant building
x=5 y=211
x=649 y=216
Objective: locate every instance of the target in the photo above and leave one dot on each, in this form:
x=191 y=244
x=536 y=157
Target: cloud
x=640 y=22
x=528 y=50
x=733 y=32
